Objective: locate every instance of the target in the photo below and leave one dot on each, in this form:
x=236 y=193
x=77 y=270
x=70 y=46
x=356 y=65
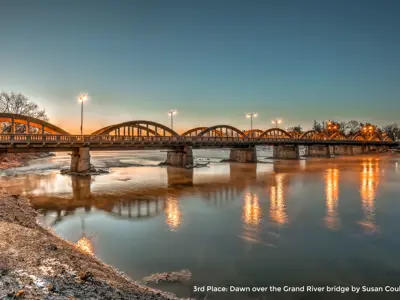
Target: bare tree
x=317 y=126
x=352 y=127
x=19 y=104
x=392 y=131
x=298 y=129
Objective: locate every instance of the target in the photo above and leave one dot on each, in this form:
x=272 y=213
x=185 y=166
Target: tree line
x=351 y=128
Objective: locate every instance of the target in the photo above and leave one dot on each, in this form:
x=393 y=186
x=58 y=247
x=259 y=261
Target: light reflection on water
x=332 y=198
x=232 y=223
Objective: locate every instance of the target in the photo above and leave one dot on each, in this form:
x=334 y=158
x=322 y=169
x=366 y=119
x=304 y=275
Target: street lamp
x=276 y=122
x=172 y=113
x=82 y=98
x=251 y=116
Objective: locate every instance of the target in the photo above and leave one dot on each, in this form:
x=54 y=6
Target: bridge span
x=25 y=134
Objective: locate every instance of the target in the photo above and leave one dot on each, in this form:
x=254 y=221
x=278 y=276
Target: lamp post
x=172 y=113
x=276 y=122
x=82 y=98
x=251 y=116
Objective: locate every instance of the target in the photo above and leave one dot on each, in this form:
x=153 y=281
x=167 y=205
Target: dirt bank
x=11 y=160
x=37 y=264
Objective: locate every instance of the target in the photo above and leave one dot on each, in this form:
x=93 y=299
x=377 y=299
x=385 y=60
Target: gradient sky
x=213 y=61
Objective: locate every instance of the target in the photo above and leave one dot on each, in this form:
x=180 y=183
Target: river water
x=312 y=221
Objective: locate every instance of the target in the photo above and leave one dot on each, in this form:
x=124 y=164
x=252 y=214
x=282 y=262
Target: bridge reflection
x=264 y=190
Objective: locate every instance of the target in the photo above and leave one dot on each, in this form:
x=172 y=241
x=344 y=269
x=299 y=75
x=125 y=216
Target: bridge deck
x=38 y=143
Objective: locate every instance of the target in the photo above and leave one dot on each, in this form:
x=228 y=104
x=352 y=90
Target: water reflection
x=84 y=243
x=369 y=186
x=251 y=209
x=277 y=209
x=173 y=215
x=332 y=197
x=251 y=216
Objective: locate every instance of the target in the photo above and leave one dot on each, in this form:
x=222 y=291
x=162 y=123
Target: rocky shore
x=11 y=160
x=37 y=264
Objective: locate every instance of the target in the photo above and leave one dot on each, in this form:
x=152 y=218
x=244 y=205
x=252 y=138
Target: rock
x=52 y=247
x=3 y=272
x=85 y=276
x=19 y=294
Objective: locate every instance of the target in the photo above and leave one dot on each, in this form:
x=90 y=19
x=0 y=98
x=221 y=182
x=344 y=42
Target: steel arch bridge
x=14 y=123
x=25 y=134
x=136 y=128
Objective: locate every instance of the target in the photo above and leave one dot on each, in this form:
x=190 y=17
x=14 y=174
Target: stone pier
x=180 y=157
x=318 y=151
x=344 y=150
x=243 y=155
x=286 y=152
x=80 y=160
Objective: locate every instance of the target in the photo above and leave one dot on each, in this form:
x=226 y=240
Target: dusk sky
x=213 y=61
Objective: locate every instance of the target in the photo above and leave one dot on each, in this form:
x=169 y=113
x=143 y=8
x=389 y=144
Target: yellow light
x=279 y=121
x=172 y=112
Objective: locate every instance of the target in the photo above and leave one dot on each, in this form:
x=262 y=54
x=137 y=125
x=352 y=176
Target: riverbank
x=37 y=264
x=11 y=160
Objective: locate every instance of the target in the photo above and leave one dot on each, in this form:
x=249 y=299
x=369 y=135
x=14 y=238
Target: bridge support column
x=80 y=160
x=243 y=155
x=358 y=150
x=344 y=150
x=286 y=152
x=318 y=151
x=180 y=157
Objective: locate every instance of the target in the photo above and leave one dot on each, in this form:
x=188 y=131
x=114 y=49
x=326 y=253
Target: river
x=312 y=221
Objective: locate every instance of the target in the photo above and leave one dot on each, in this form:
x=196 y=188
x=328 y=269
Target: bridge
x=26 y=134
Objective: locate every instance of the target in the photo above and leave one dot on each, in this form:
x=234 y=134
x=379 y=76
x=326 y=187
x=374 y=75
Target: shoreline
x=11 y=160
x=35 y=263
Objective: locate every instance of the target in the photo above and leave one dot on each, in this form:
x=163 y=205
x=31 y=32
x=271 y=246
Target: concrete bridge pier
x=80 y=160
x=346 y=150
x=318 y=151
x=243 y=155
x=180 y=157
x=381 y=149
x=359 y=150
x=286 y=152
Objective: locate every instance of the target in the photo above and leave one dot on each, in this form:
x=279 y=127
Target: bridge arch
x=358 y=137
x=137 y=128
x=375 y=137
x=224 y=130
x=295 y=134
x=196 y=131
x=313 y=135
x=338 y=136
x=29 y=125
x=253 y=132
x=275 y=133
x=387 y=139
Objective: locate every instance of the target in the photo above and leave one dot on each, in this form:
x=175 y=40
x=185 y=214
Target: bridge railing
x=59 y=139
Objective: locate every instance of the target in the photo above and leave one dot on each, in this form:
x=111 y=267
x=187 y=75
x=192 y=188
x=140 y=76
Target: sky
x=212 y=61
